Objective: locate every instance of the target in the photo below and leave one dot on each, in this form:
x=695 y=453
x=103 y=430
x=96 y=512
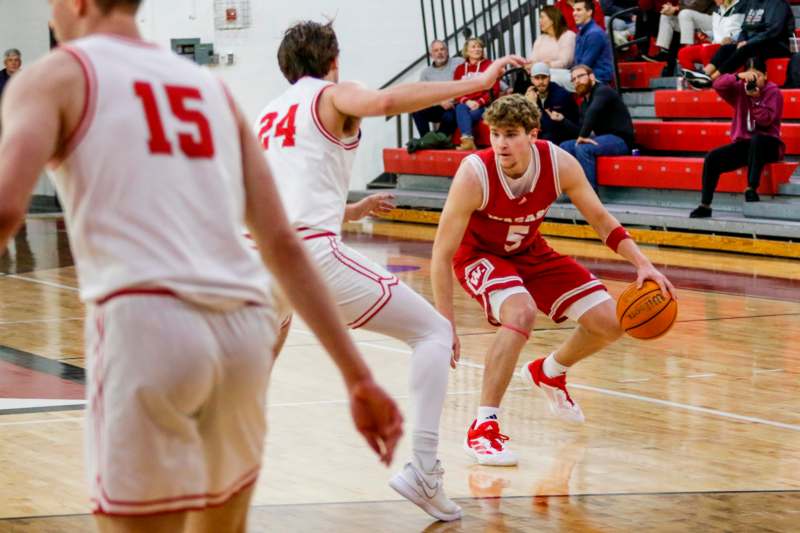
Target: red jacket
x=566 y=10
x=465 y=70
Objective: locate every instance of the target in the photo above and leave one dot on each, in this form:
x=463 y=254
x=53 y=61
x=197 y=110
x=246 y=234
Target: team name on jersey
x=518 y=220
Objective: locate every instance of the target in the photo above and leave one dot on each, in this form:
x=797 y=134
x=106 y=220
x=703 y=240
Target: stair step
x=639 y=99
x=670 y=82
x=777 y=208
x=640 y=111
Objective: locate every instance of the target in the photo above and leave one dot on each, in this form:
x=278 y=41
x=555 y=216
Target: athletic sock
x=552 y=368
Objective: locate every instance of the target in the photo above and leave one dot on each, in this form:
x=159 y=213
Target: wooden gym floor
x=699 y=430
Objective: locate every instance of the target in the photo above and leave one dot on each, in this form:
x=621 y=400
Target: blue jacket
x=593 y=49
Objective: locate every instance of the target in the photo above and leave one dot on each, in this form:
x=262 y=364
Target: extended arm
x=355 y=100
x=583 y=197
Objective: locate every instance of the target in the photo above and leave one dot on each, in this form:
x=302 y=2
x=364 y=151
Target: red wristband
x=522 y=332
x=616 y=236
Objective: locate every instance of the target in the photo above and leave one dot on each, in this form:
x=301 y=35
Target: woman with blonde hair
x=555 y=46
x=469 y=108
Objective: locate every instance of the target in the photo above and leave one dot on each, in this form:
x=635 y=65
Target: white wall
x=377 y=38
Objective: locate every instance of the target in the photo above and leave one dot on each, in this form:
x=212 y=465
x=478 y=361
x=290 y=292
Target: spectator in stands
x=592 y=47
x=470 y=108
x=12 y=61
x=647 y=21
x=755 y=130
x=687 y=18
x=726 y=24
x=555 y=46
x=767 y=27
x=605 y=126
x=442 y=68
x=556 y=104
x=612 y=7
x=567 y=8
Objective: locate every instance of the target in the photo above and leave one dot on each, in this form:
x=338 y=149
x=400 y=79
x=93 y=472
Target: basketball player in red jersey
x=489 y=235
x=157 y=170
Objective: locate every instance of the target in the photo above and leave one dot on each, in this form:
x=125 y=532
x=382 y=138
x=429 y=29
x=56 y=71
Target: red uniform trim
x=385 y=283
x=137 y=292
x=89 y=104
x=243 y=483
x=325 y=133
x=557 y=314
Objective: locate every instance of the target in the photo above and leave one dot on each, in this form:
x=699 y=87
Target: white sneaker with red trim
x=426 y=489
x=487 y=445
x=555 y=390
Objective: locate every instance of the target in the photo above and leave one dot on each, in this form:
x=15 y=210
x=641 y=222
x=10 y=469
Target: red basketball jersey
x=506 y=225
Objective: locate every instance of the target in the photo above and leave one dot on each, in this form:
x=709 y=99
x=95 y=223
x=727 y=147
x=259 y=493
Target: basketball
x=646 y=313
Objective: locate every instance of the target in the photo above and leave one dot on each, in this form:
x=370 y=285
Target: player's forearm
x=630 y=251
x=415 y=96
x=303 y=287
x=442 y=284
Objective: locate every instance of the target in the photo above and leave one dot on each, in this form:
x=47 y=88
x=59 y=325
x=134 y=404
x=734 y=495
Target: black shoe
x=696 y=75
x=751 y=196
x=698 y=84
x=660 y=57
x=701 y=212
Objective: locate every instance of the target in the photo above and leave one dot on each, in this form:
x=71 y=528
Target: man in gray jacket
x=441 y=69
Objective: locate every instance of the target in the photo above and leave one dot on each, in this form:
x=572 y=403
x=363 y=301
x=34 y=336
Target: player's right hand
x=376 y=417
x=498 y=68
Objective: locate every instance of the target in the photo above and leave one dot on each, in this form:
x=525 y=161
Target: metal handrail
x=616 y=48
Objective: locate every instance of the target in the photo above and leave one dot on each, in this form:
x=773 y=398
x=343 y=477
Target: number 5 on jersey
x=285 y=128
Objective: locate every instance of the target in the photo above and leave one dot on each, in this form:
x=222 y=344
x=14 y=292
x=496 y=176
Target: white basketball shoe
x=487 y=445
x=426 y=489
x=555 y=390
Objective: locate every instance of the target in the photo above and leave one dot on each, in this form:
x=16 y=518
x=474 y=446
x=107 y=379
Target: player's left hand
x=498 y=68
x=650 y=272
x=374 y=204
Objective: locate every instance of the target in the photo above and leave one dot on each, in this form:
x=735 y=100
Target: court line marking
x=39 y=320
x=43 y=282
x=626 y=395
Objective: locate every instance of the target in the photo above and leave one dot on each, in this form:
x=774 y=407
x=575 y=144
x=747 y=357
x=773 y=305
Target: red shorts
x=554 y=281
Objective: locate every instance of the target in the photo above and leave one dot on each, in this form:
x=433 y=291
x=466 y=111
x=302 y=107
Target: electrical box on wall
x=200 y=53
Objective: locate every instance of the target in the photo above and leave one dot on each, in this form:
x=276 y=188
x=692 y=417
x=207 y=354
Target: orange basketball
x=646 y=313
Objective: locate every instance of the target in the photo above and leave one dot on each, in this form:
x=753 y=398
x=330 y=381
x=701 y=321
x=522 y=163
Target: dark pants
x=729 y=59
x=753 y=154
x=445 y=117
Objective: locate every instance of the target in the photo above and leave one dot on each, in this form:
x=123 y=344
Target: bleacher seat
x=637 y=74
x=683 y=173
x=699 y=136
x=706 y=104
x=425 y=162
x=777 y=70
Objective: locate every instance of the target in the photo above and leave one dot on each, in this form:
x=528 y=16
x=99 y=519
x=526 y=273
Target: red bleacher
x=682 y=173
x=425 y=162
x=637 y=74
x=699 y=136
x=706 y=104
x=647 y=172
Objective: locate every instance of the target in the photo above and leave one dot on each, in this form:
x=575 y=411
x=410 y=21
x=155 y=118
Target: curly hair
x=106 y=6
x=512 y=111
x=308 y=49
